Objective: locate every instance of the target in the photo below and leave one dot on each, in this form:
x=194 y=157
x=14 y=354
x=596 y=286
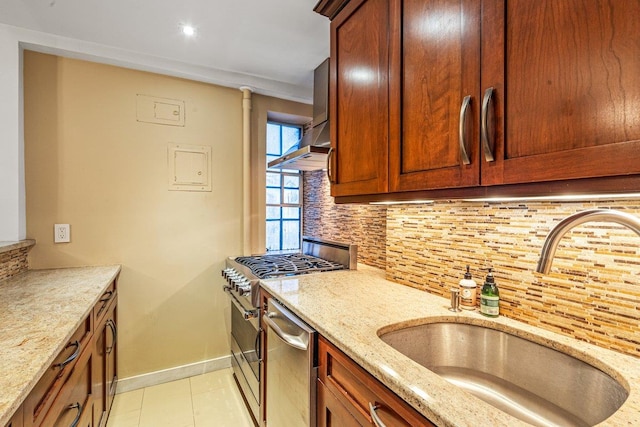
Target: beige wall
x=89 y=163
x=265 y=108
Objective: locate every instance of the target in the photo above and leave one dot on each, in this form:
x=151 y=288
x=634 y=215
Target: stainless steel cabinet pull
x=486 y=128
x=329 y=172
x=114 y=331
x=288 y=339
x=376 y=419
x=462 y=134
x=71 y=358
x=76 y=420
x=256 y=344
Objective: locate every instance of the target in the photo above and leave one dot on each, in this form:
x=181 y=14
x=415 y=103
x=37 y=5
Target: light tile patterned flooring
x=206 y=400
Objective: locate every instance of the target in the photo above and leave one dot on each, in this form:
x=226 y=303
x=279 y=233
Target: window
x=283 y=191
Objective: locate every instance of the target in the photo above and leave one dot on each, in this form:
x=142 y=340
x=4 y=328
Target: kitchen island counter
x=39 y=312
x=351 y=309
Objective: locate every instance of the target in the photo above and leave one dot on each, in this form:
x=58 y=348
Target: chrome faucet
x=605 y=215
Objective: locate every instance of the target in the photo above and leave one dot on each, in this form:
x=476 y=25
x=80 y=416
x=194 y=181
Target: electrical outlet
x=61 y=233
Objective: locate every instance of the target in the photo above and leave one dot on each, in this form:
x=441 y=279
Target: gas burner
x=270 y=266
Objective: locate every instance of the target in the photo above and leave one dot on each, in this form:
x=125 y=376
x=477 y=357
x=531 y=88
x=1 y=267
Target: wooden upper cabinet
x=553 y=90
x=359 y=98
x=435 y=48
x=567 y=89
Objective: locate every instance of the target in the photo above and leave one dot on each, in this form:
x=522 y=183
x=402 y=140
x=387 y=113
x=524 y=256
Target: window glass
x=291 y=196
x=282 y=191
x=290 y=234
x=273 y=139
x=291 y=213
x=274 y=212
x=292 y=181
x=273 y=179
x=273 y=196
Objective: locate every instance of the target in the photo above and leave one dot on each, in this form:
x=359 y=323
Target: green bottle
x=490 y=297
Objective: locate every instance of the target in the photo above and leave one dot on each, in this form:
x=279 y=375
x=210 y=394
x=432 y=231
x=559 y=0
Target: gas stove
x=243 y=275
x=318 y=255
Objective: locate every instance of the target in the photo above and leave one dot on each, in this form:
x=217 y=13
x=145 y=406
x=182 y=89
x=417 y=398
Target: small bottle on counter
x=490 y=297
x=468 y=290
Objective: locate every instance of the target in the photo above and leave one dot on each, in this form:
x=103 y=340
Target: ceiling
x=279 y=41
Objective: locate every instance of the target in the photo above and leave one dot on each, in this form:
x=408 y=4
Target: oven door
x=245 y=351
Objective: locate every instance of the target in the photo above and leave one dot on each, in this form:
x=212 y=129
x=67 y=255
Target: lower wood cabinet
x=347 y=395
x=74 y=404
x=105 y=372
x=16 y=419
x=78 y=388
x=40 y=400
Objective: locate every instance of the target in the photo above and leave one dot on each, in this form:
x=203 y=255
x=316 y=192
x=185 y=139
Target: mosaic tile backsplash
x=363 y=225
x=13 y=262
x=591 y=293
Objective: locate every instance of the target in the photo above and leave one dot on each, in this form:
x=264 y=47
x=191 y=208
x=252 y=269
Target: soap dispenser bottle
x=490 y=297
x=468 y=290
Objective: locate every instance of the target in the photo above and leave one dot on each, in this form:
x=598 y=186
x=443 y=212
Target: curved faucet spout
x=594 y=215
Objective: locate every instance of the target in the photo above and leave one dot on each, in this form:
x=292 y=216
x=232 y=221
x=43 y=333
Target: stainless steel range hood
x=310 y=153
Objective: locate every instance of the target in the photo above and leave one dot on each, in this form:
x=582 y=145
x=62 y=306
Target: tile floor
x=206 y=400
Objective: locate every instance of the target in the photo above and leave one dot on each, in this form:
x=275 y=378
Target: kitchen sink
x=537 y=384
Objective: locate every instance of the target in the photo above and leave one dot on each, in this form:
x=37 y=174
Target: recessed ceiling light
x=188 y=30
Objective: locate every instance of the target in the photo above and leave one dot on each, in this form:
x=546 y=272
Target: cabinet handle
x=462 y=134
x=78 y=407
x=106 y=296
x=374 y=415
x=71 y=358
x=114 y=331
x=329 y=171
x=487 y=140
x=256 y=343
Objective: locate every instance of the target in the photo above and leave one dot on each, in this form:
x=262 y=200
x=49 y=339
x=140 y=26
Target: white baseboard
x=172 y=374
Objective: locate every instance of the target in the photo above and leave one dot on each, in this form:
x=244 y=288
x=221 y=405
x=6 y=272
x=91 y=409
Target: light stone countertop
x=9 y=246
x=39 y=312
x=349 y=308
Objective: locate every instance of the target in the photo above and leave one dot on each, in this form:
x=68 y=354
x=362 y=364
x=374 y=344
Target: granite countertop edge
x=351 y=309
x=35 y=330
x=10 y=246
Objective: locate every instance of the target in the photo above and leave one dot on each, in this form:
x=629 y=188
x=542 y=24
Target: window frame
x=282 y=174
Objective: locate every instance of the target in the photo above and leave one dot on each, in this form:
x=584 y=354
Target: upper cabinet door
x=566 y=99
x=359 y=98
x=435 y=87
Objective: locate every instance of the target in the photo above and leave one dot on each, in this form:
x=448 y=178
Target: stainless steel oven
x=243 y=276
x=245 y=352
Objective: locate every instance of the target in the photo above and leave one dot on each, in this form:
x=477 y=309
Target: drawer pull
x=374 y=415
x=78 y=407
x=106 y=296
x=114 y=331
x=71 y=358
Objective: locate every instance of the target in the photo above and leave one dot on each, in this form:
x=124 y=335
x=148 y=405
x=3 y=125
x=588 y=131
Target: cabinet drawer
x=43 y=394
x=100 y=309
x=331 y=412
x=74 y=404
x=357 y=389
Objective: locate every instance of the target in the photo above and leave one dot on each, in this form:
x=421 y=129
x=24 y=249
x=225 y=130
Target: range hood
x=310 y=153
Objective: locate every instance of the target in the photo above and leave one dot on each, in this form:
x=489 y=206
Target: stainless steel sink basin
x=534 y=383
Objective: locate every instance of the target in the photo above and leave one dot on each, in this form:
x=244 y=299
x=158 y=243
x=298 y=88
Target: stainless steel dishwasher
x=291 y=368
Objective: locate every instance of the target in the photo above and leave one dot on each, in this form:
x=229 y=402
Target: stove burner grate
x=270 y=266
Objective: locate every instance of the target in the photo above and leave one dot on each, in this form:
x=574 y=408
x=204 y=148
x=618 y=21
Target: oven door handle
x=292 y=340
x=246 y=314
